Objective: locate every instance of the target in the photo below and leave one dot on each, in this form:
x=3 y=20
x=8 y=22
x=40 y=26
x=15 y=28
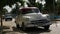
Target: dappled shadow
x=4 y=27
x=31 y=30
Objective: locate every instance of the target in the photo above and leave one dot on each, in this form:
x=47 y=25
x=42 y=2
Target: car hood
x=34 y=16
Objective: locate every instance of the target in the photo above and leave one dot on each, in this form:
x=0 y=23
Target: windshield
x=8 y=16
x=25 y=11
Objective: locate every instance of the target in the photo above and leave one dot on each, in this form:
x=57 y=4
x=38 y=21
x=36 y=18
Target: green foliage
x=10 y=3
x=14 y=11
x=32 y=3
x=4 y=11
x=39 y=5
x=50 y=6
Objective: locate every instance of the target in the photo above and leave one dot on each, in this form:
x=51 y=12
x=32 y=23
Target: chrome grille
x=39 y=21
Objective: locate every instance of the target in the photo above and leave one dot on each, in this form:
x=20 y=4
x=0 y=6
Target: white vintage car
x=32 y=17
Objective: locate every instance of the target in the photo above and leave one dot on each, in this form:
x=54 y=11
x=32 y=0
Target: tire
x=5 y=19
x=11 y=19
x=46 y=27
x=17 y=26
x=23 y=26
x=15 y=21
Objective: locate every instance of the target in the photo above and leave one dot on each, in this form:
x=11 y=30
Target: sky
x=9 y=8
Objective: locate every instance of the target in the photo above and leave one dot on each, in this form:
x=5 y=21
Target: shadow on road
x=31 y=30
x=4 y=27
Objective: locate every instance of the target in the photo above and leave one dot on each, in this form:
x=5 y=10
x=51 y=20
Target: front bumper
x=38 y=25
x=8 y=19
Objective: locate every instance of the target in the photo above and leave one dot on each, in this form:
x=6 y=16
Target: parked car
x=32 y=17
x=8 y=18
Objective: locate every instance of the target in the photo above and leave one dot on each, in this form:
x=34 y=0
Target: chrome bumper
x=39 y=24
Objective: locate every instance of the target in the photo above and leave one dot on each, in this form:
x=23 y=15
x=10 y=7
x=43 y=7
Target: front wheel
x=5 y=19
x=23 y=26
x=47 y=27
x=17 y=25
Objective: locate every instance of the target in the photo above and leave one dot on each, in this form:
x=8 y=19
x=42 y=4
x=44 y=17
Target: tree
x=58 y=8
x=9 y=2
x=50 y=6
x=16 y=9
x=32 y=3
x=4 y=11
x=38 y=5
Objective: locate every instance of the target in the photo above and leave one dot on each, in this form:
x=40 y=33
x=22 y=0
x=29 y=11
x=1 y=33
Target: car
x=8 y=18
x=32 y=17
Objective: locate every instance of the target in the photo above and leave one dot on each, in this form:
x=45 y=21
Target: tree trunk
x=1 y=20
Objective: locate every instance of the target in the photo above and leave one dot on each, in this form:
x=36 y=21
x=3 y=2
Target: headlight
x=26 y=19
x=48 y=17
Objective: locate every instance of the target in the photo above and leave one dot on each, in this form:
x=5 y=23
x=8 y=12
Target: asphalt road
x=9 y=27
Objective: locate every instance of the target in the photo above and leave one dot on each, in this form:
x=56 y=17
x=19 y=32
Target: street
x=9 y=27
